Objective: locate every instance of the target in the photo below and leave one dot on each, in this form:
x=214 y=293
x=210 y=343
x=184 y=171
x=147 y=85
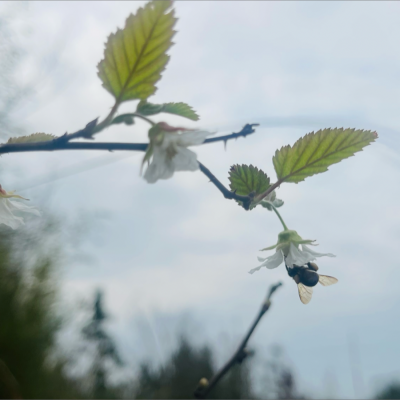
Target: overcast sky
x=176 y=254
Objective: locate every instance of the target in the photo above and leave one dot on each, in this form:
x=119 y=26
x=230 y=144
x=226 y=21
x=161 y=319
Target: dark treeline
x=392 y=391
x=32 y=364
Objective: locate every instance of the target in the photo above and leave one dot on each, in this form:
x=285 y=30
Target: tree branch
x=227 y=193
x=64 y=142
x=56 y=144
x=205 y=386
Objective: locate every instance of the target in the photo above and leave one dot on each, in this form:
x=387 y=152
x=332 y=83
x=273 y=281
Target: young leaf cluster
x=135 y=56
x=310 y=155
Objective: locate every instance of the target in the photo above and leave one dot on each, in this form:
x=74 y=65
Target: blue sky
x=176 y=254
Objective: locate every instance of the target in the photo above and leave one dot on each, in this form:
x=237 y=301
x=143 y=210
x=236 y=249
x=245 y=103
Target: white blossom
x=288 y=250
x=11 y=207
x=170 y=152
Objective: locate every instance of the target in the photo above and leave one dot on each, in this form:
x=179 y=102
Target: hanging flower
x=168 y=151
x=288 y=250
x=9 y=206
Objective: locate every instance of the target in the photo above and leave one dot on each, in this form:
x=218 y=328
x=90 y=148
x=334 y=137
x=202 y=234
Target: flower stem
x=144 y=118
x=279 y=215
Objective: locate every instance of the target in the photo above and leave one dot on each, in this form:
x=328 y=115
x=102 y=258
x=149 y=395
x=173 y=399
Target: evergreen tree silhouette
x=178 y=378
x=29 y=324
x=105 y=350
x=392 y=391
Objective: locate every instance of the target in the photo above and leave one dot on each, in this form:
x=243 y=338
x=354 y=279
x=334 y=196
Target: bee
x=306 y=277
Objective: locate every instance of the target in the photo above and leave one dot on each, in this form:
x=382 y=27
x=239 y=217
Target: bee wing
x=326 y=280
x=305 y=293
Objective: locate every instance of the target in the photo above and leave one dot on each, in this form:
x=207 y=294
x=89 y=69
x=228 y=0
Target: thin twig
x=107 y=120
x=85 y=133
x=132 y=115
x=205 y=386
x=259 y=197
x=91 y=128
x=246 y=130
x=227 y=193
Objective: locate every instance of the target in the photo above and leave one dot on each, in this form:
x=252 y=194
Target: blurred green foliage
x=29 y=322
x=392 y=391
x=33 y=364
x=105 y=352
x=178 y=378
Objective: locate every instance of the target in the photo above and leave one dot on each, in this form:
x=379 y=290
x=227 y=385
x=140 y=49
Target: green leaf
x=181 y=109
x=135 y=56
x=146 y=108
x=248 y=179
x=123 y=119
x=34 y=137
x=315 y=152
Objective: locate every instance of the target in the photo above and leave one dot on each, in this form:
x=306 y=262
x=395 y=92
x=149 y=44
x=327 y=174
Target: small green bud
x=288 y=235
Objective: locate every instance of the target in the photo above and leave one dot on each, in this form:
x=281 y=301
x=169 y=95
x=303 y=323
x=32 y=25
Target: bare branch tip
x=273 y=288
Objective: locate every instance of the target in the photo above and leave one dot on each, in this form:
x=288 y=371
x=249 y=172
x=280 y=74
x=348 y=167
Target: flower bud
x=203 y=382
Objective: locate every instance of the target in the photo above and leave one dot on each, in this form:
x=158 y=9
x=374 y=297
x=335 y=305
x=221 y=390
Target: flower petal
x=7 y=217
x=269 y=262
x=19 y=206
x=296 y=257
x=193 y=138
x=172 y=155
x=185 y=160
x=159 y=168
x=312 y=253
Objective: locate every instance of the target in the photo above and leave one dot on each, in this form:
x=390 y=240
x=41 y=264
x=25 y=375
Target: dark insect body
x=306 y=277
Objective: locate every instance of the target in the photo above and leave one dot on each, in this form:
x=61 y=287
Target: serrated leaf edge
x=288 y=147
